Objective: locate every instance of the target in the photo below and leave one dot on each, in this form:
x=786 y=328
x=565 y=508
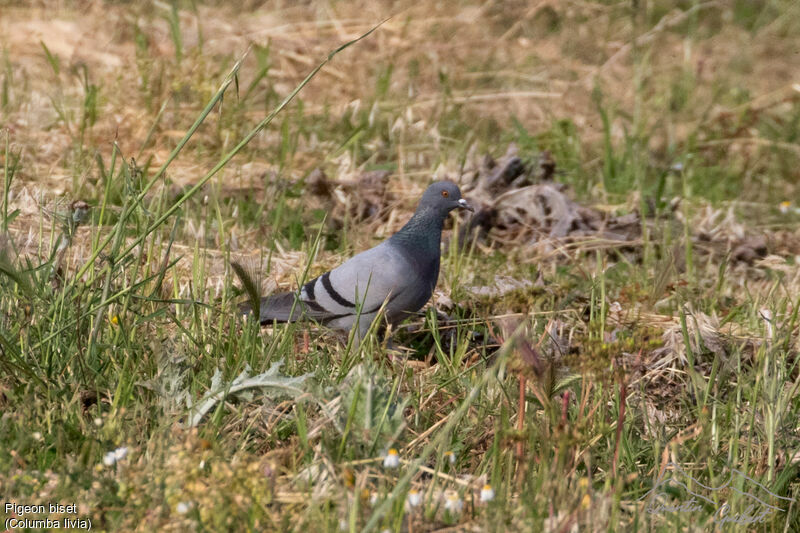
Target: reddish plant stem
x=623 y=393
x=521 y=417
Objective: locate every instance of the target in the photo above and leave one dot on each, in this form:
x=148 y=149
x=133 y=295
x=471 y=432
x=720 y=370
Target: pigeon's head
x=443 y=197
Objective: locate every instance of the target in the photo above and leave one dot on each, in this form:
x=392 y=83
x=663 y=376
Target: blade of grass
x=224 y=161
x=455 y=418
x=230 y=155
x=172 y=156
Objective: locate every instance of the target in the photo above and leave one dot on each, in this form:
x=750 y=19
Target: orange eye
x=445 y=194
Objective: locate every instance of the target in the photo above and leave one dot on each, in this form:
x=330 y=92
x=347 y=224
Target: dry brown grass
x=502 y=58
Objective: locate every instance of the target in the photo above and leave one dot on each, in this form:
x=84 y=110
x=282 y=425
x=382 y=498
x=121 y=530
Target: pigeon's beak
x=463 y=204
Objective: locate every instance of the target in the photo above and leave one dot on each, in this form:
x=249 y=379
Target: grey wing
x=303 y=304
x=365 y=282
x=356 y=289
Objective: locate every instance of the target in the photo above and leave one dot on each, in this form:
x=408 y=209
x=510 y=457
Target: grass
x=119 y=319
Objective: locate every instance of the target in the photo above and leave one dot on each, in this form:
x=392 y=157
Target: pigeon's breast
x=419 y=281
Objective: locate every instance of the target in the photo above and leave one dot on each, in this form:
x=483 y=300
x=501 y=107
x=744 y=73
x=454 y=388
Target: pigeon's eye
x=445 y=194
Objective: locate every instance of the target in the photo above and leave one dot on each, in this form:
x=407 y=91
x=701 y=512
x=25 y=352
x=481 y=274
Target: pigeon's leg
x=356 y=341
x=392 y=352
x=362 y=328
x=387 y=337
x=384 y=332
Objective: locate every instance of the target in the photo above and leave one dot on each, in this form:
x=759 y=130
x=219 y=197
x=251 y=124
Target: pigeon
x=398 y=275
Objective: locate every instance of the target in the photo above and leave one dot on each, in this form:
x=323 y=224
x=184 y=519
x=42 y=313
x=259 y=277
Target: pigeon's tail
x=281 y=307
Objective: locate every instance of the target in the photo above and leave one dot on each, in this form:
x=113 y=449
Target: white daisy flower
x=414 y=498
x=487 y=493
x=452 y=502
x=392 y=459
x=114 y=456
